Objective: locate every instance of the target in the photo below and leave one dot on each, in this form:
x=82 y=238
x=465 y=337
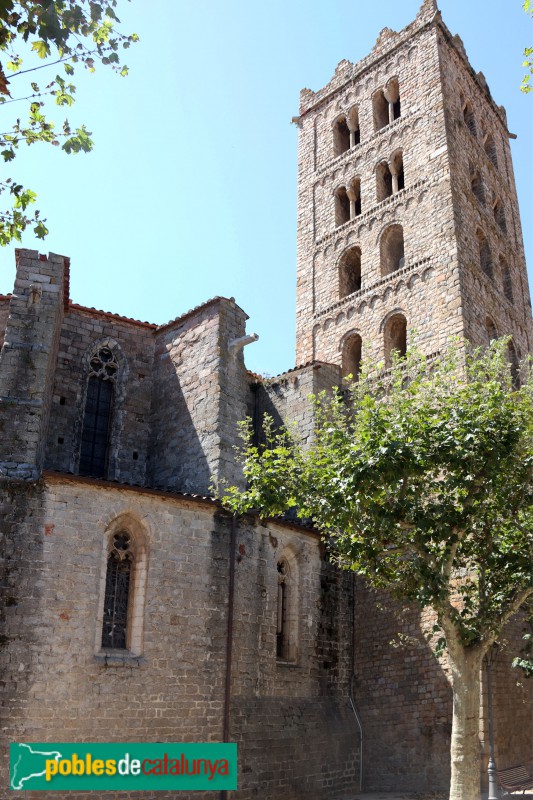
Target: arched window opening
x=380 y=107
x=490 y=149
x=392 y=250
x=499 y=216
x=383 y=182
x=395 y=337
x=490 y=327
x=351 y=356
x=477 y=188
x=96 y=427
x=342 y=206
x=506 y=279
x=514 y=362
x=350 y=271
x=283 y=612
x=392 y=95
x=396 y=169
x=485 y=258
x=469 y=119
x=118 y=591
x=352 y=121
x=341 y=136
x=354 y=196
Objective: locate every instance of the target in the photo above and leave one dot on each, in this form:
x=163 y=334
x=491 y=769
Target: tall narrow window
x=392 y=249
x=477 y=187
x=485 y=258
x=380 y=107
x=499 y=216
x=350 y=271
x=351 y=356
x=490 y=327
x=514 y=363
x=287 y=607
x=396 y=168
x=341 y=136
x=469 y=119
x=342 y=206
x=98 y=411
x=490 y=149
x=395 y=337
x=383 y=181
x=282 y=621
x=392 y=95
x=118 y=588
x=506 y=279
x=352 y=120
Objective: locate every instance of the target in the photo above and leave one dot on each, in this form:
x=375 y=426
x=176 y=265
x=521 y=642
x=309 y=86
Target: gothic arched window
x=118 y=591
x=95 y=434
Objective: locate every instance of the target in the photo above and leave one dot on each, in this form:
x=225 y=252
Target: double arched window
x=386 y=104
x=347 y=202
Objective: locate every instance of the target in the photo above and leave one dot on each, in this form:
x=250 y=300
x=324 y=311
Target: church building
x=133 y=607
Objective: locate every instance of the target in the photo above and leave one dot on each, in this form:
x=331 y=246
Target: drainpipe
x=229 y=638
x=351 y=697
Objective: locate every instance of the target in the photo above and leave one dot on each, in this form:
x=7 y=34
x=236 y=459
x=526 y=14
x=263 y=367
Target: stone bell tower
x=408 y=222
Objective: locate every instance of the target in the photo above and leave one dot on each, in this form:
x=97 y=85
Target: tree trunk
x=465 y=746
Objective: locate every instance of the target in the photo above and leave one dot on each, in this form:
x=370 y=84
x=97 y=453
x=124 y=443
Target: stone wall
x=83 y=333
x=27 y=361
x=4 y=313
x=70 y=688
x=200 y=393
x=286 y=398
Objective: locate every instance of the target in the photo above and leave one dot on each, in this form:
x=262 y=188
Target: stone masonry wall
x=484 y=295
x=4 y=313
x=83 y=332
x=403 y=697
x=27 y=359
x=69 y=688
x=200 y=392
x=286 y=398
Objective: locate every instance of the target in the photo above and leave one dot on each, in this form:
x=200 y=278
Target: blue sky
x=191 y=189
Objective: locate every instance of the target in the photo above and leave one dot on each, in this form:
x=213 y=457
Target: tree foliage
x=423 y=484
x=57 y=36
x=527 y=86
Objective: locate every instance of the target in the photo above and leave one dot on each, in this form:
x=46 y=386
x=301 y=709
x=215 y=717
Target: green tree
x=422 y=484
x=528 y=53
x=62 y=35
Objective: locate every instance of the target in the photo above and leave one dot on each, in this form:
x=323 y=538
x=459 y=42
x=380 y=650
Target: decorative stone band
x=388 y=280
x=394 y=199
x=361 y=148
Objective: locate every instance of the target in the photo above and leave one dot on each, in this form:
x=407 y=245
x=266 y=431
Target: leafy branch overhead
x=43 y=43
x=527 y=86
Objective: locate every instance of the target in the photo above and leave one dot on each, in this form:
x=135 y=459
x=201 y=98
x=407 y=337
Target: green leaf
x=42 y=48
